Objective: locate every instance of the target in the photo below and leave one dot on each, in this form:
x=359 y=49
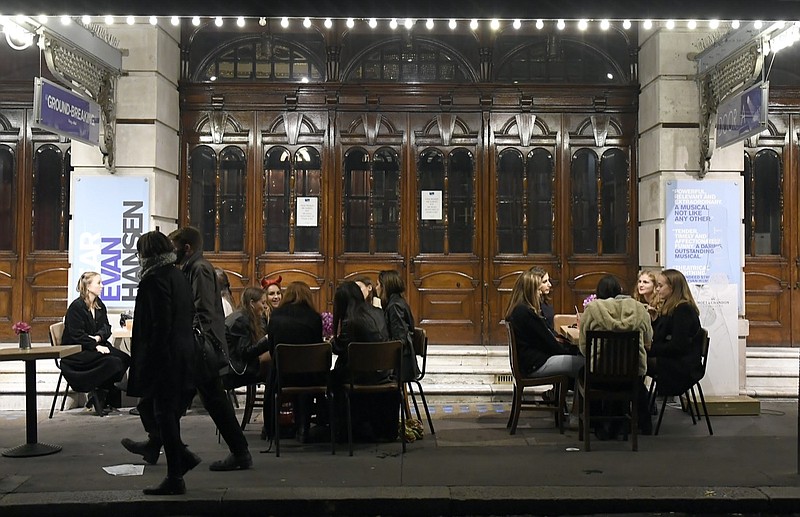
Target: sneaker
x=233 y=462
x=146 y=449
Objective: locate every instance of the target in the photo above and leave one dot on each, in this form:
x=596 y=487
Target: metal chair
x=611 y=373
x=700 y=337
x=520 y=382
x=421 y=350
x=56 y=334
x=302 y=370
x=364 y=359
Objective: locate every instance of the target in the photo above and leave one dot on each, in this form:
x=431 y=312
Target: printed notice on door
x=307 y=210
x=431 y=205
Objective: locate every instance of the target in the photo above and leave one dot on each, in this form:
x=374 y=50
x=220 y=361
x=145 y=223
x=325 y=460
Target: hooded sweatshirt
x=620 y=314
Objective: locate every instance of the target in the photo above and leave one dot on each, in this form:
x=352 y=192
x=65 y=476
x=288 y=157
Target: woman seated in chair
x=355 y=320
x=271 y=286
x=539 y=352
x=247 y=340
x=365 y=283
x=615 y=311
x=675 y=358
x=295 y=322
x=646 y=288
x=98 y=365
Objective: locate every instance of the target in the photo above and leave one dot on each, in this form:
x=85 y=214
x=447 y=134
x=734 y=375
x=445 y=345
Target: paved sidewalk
x=472 y=466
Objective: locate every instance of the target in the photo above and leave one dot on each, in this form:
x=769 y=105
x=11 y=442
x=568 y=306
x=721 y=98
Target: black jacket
x=243 y=350
x=535 y=341
x=80 y=325
x=162 y=345
x=294 y=324
x=370 y=327
x=400 y=322
x=207 y=297
x=679 y=357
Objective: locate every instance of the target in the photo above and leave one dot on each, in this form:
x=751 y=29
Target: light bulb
x=626 y=24
x=605 y=24
x=285 y=22
x=175 y=21
x=306 y=22
x=670 y=24
x=373 y=23
x=66 y=20
x=692 y=24
x=648 y=24
x=262 y=21
x=240 y=21
x=453 y=24
x=153 y=20
x=517 y=24
x=713 y=24
x=350 y=23
x=582 y=25
x=393 y=23
x=218 y=21
x=429 y=24
x=409 y=23
x=109 y=20
x=195 y=21
x=560 y=25
x=473 y=24
x=735 y=24
x=130 y=20
x=494 y=24
x=86 y=19
x=539 y=24
x=327 y=23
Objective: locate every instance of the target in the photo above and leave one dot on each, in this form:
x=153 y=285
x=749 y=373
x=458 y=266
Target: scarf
x=150 y=264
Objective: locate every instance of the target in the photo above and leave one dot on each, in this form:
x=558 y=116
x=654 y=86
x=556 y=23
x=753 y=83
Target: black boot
x=170 y=486
x=190 y=460
x=233 y=462
x=148 y=449
x=97 y=399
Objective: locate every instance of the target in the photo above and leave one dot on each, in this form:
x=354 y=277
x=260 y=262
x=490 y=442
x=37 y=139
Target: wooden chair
x=611 y=374
x=520 y=382
x=252 y=399
x=421 y=350
x=365 y=359
x=302 y=370
x=702 y=338
x=56 y=334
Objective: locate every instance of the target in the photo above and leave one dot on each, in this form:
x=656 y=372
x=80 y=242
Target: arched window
x=51 y=179
x=762 y=203
x=510 y=204
x=409 y=61
x=460 y=202
x=307 y=188
x=7 y=212
x=540 y=172
x=431 y=180
x=277 y=171
x=260 y=58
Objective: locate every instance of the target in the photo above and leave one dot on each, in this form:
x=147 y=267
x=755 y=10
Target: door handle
x=412 y=264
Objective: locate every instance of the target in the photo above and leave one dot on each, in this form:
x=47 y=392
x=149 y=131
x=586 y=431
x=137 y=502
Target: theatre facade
x=458 y=157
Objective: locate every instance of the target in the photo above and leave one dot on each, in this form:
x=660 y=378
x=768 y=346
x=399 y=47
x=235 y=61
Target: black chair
x=690 y=396
x=611 y=374
x=364 y=359
x=56 y=334
x=421 y=350
x=252 y=399
x=520 y=382
x=302 y=370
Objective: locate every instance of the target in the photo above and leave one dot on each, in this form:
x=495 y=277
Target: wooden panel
x=447 y=302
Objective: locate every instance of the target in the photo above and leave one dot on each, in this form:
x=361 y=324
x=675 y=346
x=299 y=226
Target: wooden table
x=32 y=447
x=571 y=333
x=118 y=337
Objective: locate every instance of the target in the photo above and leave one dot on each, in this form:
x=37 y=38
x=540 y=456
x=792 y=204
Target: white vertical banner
x=109 y=214
x=717 y=301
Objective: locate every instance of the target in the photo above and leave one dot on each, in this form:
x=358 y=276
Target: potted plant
x=22 y=329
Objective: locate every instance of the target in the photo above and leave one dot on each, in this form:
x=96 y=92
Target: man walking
x=188 y=243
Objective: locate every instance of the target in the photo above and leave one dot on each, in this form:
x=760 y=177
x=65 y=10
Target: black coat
x=207 y=298
x=294 y=324
x=535 y=341
x=90 y=369
x=370 y=326
x=678 y=356
x=162 y=345
x=400 y=322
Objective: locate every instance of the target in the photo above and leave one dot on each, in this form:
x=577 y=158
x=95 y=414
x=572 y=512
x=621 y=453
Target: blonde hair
x=83 y=287
x=638 y=297
x=680 y=292
x=526 y=291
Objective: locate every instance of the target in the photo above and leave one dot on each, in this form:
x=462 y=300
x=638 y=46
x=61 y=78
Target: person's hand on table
x=102 y=349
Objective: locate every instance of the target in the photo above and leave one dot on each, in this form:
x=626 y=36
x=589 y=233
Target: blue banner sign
x=65 y=113
x=104 y=239
x=742 y=115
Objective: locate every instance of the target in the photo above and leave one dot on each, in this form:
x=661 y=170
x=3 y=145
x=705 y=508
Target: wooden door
x=35 y=168
x=560 y=202
x=772 y=244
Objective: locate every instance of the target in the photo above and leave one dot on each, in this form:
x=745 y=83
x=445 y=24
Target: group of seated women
x=662 y=310
x=268 y=316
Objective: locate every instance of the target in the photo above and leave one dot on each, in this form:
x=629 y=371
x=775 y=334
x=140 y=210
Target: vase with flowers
x=23 y=330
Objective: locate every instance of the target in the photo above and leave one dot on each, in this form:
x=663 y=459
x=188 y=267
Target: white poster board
x=307 y=210
x=431 y=205
x=703 y=240
x=109 y=213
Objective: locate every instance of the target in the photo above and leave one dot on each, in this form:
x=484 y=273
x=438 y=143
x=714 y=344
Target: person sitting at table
x=294 y=322
x=247 y=340
x=365 y=283
x=615 y=311
x=675 y=357
x=539 y=352
x=548 y=312
x=225 y=291
x=646 y=288
x=98 y=365
x=272 y=286
x=355 y=320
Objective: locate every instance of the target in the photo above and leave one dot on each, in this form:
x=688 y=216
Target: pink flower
x=21 y=327
x=327 y=325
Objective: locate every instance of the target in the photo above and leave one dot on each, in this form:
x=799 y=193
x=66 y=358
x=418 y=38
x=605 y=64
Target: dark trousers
x=219 y=408
x=161 y=417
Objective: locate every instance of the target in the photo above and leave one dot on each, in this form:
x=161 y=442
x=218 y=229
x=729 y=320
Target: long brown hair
x=83 y=288
x=680 y=292
x=526 y=291
x=255 y=322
